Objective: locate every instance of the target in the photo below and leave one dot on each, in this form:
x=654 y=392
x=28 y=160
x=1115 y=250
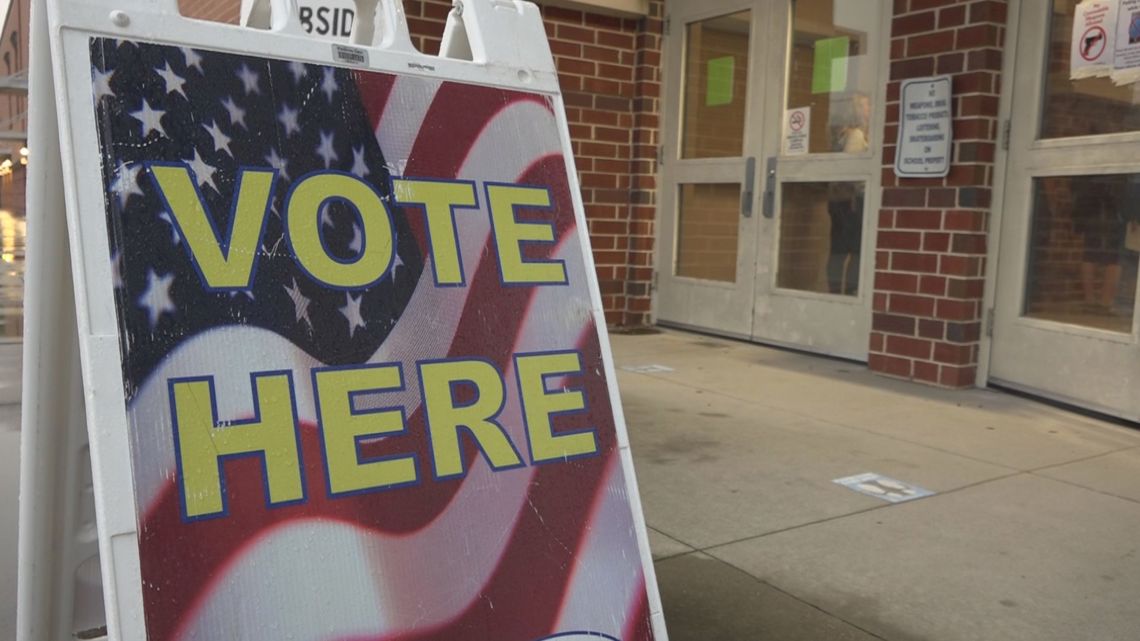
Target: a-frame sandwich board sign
x=343 y=357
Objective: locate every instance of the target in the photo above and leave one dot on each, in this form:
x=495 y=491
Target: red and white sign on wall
x=340 y=323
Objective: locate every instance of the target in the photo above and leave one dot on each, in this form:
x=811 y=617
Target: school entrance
x=770 y=169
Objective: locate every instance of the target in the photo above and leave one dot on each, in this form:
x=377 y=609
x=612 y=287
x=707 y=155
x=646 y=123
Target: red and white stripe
x=516 y=555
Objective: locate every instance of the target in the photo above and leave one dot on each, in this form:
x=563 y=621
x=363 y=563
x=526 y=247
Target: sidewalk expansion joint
x=791 y=595
x=1081 y=459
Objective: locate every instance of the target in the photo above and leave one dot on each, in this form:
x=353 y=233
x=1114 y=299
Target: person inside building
x=1101 y=222
x=845 y=199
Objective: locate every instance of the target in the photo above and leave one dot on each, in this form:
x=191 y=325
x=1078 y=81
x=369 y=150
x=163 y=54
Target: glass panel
x=13 y=231
x=716 y=86
x=821 y=235
x=1084 y=107
x=832 y=73
x=1082 y=252
x=708 y=216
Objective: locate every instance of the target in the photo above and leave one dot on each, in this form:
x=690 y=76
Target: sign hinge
x=989 y=322
x=1005 y=133
x=653 y=282
x=660 y=155
x=665 y=27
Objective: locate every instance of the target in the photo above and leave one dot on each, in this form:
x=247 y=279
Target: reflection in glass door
x=1065 y=322
x=716 y=86
x=821 y=237
x=1083 y=243
x=707 y=227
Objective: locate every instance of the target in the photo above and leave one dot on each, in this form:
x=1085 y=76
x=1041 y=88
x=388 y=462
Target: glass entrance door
x=716 y=53
x=1065 y=322
x=814 y=267
x=771 y=165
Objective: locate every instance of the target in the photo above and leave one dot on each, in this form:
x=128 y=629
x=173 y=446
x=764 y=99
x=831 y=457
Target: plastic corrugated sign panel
x=345 y=360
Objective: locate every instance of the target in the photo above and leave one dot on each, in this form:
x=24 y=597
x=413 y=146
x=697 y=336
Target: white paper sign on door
x=797 y=128
x=1094 y=28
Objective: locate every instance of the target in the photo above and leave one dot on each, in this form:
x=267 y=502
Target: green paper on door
x=718 y=88
x=829 y=70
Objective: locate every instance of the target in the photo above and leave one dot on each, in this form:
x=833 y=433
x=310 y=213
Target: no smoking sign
x=797 y=125
x=796 y=122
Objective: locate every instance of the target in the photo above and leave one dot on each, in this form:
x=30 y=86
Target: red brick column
x=609 y=69
x=643 y=165
x=931 y=240
x=595 y=56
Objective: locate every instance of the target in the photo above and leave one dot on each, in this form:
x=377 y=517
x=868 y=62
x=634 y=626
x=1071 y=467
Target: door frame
x=1000 y=193
x=1019 y=194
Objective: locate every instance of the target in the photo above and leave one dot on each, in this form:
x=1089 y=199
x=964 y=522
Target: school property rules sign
x=366 y=392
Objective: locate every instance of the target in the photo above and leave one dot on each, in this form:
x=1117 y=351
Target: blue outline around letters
x=427 y=225
x=514 y=216
x=223 y=244
x=494 y=420
x=221 y=459
x=582 y=633
x=383 y=205
x=585 y=409
x=356 y=439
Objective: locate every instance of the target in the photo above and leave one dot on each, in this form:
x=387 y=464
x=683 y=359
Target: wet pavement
x=13 y=231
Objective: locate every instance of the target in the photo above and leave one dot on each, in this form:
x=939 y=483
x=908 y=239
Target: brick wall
x=609 y=71
x=218 y=10
x=931 y=243
x=643 y=165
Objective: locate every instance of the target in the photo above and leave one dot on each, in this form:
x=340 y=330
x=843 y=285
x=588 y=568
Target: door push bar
x=749 y=187
x=769 y=209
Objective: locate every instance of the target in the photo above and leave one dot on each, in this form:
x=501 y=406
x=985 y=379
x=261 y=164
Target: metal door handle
x=769 y=209
x=749 y=187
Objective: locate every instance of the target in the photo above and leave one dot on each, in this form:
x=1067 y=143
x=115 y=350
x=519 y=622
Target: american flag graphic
x=518 y=555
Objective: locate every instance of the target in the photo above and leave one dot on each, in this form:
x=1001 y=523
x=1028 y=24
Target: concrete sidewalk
x=9 y=492
x=1032 y=532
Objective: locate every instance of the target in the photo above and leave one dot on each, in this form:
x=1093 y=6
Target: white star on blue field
x=217 y=113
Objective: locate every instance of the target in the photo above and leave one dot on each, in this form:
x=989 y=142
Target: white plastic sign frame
x=491 y=45
x=59 y=593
